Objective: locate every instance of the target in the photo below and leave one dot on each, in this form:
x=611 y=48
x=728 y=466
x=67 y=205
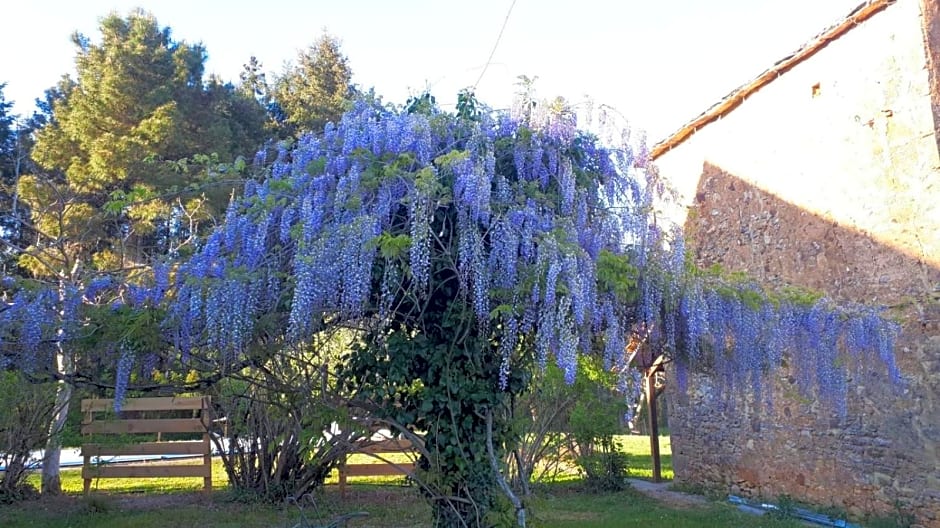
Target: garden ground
x=120 y=503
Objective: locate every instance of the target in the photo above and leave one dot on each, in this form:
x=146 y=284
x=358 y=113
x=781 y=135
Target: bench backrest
x=198 y=421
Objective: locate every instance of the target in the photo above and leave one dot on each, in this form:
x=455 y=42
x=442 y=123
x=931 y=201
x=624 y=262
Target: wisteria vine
x=557 y=254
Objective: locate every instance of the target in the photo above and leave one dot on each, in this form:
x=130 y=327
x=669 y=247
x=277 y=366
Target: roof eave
x=734 y=99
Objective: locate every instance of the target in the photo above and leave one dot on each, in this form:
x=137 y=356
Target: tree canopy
x=124 y=168
x=462 y=252
x=138 y=106
x=315 y=90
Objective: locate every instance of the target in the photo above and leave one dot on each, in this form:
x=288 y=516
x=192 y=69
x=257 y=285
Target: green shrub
x=604 y=470
x=24 y=420
x=593 y=423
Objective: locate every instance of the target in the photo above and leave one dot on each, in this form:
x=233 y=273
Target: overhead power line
x=495 y=45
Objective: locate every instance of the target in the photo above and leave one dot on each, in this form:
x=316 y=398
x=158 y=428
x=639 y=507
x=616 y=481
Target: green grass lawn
x=641 y=463
x=176 y=502
x=637 y=448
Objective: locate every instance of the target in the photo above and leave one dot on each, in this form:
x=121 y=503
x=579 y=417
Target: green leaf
x=392 y=246
x=616 y=274
x=500 y=310
x=316 y=167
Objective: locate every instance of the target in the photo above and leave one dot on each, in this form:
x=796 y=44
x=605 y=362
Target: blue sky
x=659 y=62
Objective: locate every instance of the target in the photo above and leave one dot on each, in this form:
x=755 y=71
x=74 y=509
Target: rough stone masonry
x=827 y=177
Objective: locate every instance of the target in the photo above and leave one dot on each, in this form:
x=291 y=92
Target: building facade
x=823 y=172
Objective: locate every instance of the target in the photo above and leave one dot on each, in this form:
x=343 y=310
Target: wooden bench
x=198 y=422
x=378 y=468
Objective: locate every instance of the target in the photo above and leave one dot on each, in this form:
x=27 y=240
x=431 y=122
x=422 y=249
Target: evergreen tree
x=114 y=142
x=7 y=155
x=115 y=186
x=316 y=90
x=7 y=131
x=254 y=82
x=14 y=148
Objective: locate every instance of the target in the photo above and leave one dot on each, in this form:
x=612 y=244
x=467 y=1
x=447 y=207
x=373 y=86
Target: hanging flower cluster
x=551 y=238
x=740 y=332
x=532 y=210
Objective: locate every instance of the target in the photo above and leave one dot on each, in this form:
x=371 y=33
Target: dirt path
x=661 y=492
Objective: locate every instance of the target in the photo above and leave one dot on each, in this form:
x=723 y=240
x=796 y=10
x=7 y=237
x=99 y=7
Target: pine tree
x=7 y=162
x=316 y=90
x=139 y=105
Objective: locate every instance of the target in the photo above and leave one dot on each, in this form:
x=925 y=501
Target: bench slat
x=147 y=404
x=145 y=448
x=163 y=425
x=386 y=446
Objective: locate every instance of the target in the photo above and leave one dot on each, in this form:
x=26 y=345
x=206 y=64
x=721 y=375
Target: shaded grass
x=556 y=506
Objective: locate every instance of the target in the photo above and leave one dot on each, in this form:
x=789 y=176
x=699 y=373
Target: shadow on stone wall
x=742 y=227
x=888 y=451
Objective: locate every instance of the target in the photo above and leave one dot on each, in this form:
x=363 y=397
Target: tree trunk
x=500 y=479
x=51 y=483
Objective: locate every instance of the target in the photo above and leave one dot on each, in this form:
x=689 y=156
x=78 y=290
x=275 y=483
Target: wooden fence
x=379 y=467
x=198 y=422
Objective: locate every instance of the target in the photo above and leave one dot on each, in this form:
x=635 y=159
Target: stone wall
x=828 y=178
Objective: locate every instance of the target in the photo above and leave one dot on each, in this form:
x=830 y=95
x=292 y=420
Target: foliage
x=315 y=91
x=108 y=193
x=540 y=427
x=605 y=469
x=253 y=81
x=7 y=135
x=24 y=423
x=598 y=409
x=901 y=517
x=593 y=423
x=284 y=431
x=304 y=249
x=139 y=105
x=739 y=332
x=559 y=424
x=11 y=165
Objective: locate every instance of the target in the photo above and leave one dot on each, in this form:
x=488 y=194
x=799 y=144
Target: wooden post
x=86 y=458
x=206 y=414
x=207 y=462
x=650 y=388
x=86 y=481
x=342 y=479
